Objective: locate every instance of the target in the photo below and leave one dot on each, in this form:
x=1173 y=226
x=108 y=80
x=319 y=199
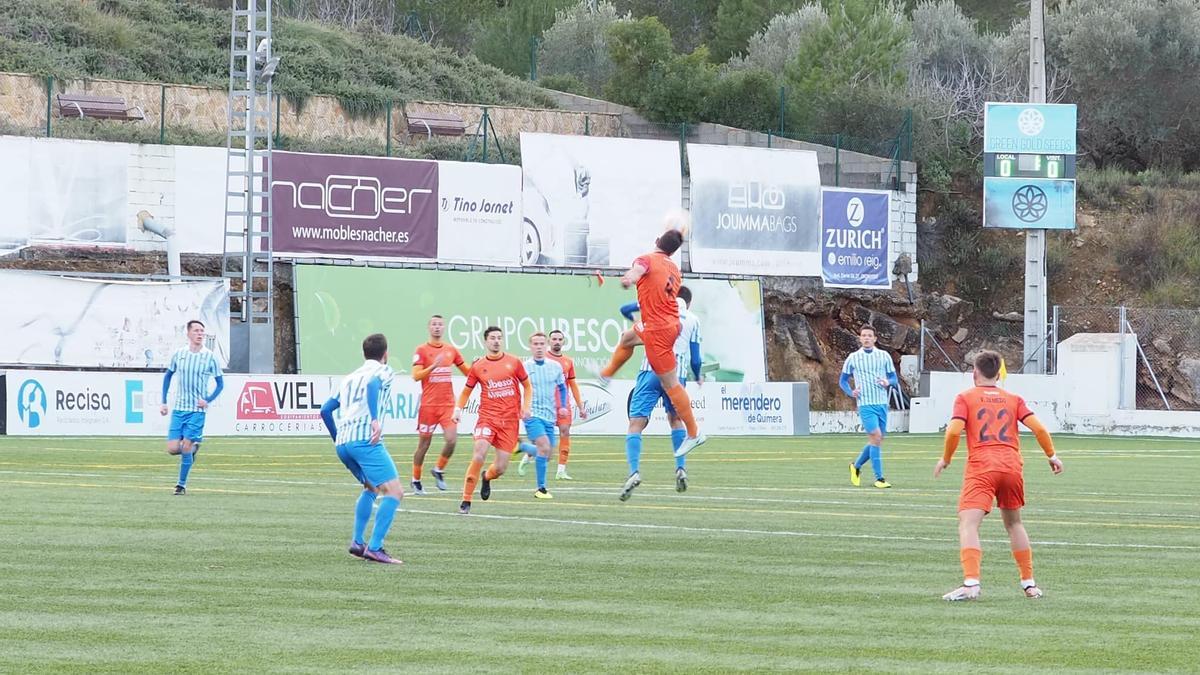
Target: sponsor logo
x=31 y=403
x=288 y=400
x=755 y=195
x=134 y=398
x=597 y=400
x=360 y=197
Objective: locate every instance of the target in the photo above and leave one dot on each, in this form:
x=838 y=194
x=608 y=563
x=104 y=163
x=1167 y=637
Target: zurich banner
x=854 y=238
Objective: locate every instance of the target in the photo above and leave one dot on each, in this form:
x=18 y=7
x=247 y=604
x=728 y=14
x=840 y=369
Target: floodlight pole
x=1035 y=239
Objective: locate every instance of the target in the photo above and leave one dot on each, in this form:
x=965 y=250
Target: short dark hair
x=189 y=324
x=374 y=346
x=685 y=293
x=436 y=316
x=557 y=331
x=669 y=242
x=867 y=326
x=988 y=364
x=487 y=331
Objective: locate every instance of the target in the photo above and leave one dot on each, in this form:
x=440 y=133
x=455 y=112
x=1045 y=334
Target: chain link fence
x=1165 y=352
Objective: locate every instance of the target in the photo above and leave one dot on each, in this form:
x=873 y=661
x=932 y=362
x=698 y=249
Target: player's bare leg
x=683 y=408
x=423 y=443
x=624 y=350
x=1021 y=550
x=969 y=553
x=439 y=470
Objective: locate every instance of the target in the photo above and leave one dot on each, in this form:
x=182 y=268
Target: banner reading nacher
x=755 y=210
x=357 y=206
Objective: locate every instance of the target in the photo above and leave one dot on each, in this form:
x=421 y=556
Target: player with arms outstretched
x=433 y=364
x=357 y=434
x=194 y=364
x=501 y=409
x=658 y=281
x=557 y=338
x=990 y=416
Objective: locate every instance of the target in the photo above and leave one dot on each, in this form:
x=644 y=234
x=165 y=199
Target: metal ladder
x=247 y=259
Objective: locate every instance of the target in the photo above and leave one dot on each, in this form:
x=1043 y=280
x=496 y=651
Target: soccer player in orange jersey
x=557 y=338
x=501 y=409
x=990 y=415
x=432 y=367
x=658 y=281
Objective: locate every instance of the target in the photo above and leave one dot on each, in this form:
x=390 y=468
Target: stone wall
x=317 y=118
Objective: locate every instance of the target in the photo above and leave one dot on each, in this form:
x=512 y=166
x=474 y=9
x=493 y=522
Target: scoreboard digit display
x=1029 y=166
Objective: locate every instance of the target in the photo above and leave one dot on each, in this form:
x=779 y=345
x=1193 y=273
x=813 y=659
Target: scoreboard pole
x=1035 y=239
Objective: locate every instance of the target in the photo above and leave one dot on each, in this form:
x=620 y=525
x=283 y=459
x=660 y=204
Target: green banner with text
x=338 y=306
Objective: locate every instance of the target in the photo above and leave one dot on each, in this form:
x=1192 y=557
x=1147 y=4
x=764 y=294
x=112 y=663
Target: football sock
x=633 y=451
x=1024 y=563
x=619 y=357
x=527 y=448
x=417 y=471
x=186 y=460
x=442 y=461
x=677 y=436
x=863 y=457
x=491 y=473
x=876 y=461
x=971 y=559
x=383 y=521
x=564 y=449
x=470 y=479
x=540 y=465
x=362 y=513
x=683 y=408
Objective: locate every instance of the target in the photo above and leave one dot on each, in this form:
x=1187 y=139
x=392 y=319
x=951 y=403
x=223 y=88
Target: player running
x=990 y=415
x=194 y=364
x=358 y=437
x=549 y=386
x=648 y=392
x=873 y=374
x=658 y=280
x=432 y=367
x=557 y=338
x=500 y=412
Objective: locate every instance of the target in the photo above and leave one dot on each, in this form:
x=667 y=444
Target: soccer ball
x=678 y=219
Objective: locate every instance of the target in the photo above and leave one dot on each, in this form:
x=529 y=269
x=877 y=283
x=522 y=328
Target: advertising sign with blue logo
x=1029 y=166
x=854 y=238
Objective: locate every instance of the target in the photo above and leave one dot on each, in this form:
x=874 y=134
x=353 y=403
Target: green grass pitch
x=771 y=561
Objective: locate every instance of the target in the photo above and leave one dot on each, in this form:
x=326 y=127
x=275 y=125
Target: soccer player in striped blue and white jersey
x=648 y=391
x=549 y=402
x=874 y=374
x=357 y=433
x=194 y=364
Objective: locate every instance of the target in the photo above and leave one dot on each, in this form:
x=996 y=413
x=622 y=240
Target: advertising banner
x=755 y=210
x=73 y=403
x=99 y=323
x=356 y=206
x=479 y=213
x=595 y=202
x=336 y=311
x=854 y=238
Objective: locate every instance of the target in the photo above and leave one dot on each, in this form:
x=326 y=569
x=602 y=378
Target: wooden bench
x=97 y=107
x=432 y=124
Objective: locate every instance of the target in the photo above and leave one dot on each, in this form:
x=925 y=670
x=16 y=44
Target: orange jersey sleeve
x=991 y=415
x=656 y=291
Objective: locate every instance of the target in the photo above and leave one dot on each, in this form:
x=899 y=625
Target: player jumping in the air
x=500 y=413
x=658 y=280
x=873 y=374
x=433 y=364
x=648 y=392
x=990 y=415
x=194 y=364
x=549 y=399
